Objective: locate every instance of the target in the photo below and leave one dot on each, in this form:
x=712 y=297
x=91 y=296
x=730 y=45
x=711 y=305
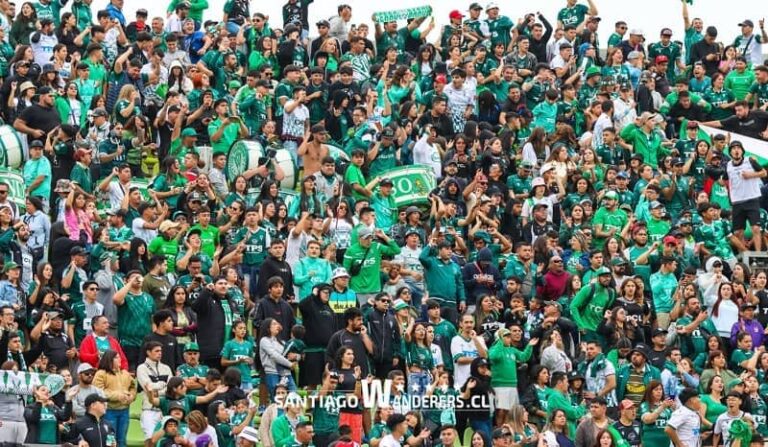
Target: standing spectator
x=152 y=375
x=363 y=261
x=119 y=387
x=465 y=347
x=215 y=316
x=745 y=192
x=684 y=424
x=443 y=278
x=134 y=308
x=84 y=388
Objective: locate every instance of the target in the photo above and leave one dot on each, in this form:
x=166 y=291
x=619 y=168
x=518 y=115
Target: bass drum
x=285 y=160
x=242 y=156
x=16 y=187
x=412 y=185
x=12 y=153
x=206 y=157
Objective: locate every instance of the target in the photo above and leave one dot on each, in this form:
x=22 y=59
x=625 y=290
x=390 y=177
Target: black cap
x=94 y=397
x=324 y=23
x=388 y=132
x=659 y=331
x=77 y=250
x=36 y=143
x=386 y=181
x=501 y=433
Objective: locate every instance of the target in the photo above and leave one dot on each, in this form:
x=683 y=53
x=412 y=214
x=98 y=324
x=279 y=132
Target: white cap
x=491 y=5
x=250 y=434
x=636 y=32
x=339 y=272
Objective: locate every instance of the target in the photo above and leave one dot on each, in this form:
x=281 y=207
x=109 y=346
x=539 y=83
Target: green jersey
x=238 y=350
x=696 y=342
x=573 y=15
x=188 y=371
x=47 y=426
x=355 y=176
x=759 y=90
x=672 y=51
x=169 y=249
x=500 y=29
x=738 y=357
x=663 y=287
x=691 y=37
x=256 y=244
x=50 y=10
x=589 y=305
x=209 y=237
x=653 y=434
x=386 y=211
x=387 y=40
x=82 y=314
x=739 y=83
x=608 y=220
x=134 y=319
x=82 y=175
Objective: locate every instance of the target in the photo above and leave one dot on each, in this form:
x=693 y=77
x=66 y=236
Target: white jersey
x=461 y=347
x=687 y=424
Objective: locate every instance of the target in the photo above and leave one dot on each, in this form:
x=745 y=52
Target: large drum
x=12 y=153
x=16 y=189
x=245 y=155
x=206 y=156
x=412 y=184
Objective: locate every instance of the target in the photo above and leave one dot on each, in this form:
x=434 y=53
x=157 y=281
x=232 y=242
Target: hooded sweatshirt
x=320 y=322
x=707 y=284
x=475 y=277
x=504 y=361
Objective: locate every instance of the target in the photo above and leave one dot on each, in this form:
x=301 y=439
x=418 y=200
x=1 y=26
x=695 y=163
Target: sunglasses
x=93 y=288
x=385 y=301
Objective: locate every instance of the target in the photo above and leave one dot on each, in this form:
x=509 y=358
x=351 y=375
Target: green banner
x=412 y=184
x=24 y=383
x=402 y=14
x=15 y=181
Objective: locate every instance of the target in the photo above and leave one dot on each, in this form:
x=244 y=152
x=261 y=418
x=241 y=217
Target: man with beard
x=83 y=389
x=313 y=149
x=275 y=265
x=214 y=318
x=600 y=375
x=589 y=305
x=752 y=123
x=522 y=266
x=354 y=336
x=634 y=377
x=41 y=118
x=694 y=328
x=539 y=226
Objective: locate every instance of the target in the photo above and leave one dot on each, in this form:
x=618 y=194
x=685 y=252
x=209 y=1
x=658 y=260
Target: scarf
x=402 y=14
x=228 y=319
x=597 y=364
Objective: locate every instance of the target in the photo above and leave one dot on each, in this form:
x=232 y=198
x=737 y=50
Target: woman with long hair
x=338 y=225
x=487 y=318
x=137 y=259
x=264 y=54
x=127 y=104
x=170 y=183
x=42 y=279
x=727 y=60
x=424 y=66
x=535 y=148
x=308 y=200
x=76 y=220
x=48 y=301
x=713 y=343
x=276 y=366
x=44 y=417
x=238 y=352
x=725 y=311
x=39 y=227
x=176 y=392
x=119 y=387
x=576 y=257
x=591 y=166
x=583 y=191
x=178 y=81
x=604 y=437
x=184 y=318
x=24 y=25
x=70 y=107
x=616 y=325
x=200 y=432
x=615 y=67
x=711 y=407
x=67 y=33
x=524 y=434
x=349 y=376
x=535 y=396
x=553 y=354
x=717 y=365
x=655 y=410
x=270 y=191
x=555 y=432
x=560 y=158
x=721 y=98
x=238 y=191
x=419 y=360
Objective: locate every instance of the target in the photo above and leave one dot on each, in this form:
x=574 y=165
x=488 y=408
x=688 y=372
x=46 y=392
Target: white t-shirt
x=116 y=193
x=293 y=123
x=687 y=423
x=142 y=233
x=389 y=441
x=723 y=425
x=427 y=154
x=461 y=347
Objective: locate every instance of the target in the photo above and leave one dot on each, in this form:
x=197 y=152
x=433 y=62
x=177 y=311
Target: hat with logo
x=399 y=305
x=339 y=272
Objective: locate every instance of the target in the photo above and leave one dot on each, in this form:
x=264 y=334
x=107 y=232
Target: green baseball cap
x=602 y=271
x=188 y=132
x=191 y=346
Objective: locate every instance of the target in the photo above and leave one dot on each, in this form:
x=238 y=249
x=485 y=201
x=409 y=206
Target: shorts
x=743 y=211
x=506 y=397
x=149 y=420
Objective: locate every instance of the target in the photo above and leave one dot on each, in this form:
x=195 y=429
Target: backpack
x=592 y=289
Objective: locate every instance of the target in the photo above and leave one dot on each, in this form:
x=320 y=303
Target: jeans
x=232 y=28
x=274 y=379
x=421 y=379
x=119 y=420
x=252 y=273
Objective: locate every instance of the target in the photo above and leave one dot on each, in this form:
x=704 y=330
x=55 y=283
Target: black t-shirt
x=55 y=348
x=38 y=117
x=630 y=433
x=752 y=126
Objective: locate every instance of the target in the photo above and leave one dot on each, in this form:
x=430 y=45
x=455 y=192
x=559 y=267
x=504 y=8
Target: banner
x=16 y=188
x=24 y=383
x=402 y=14
x=752 y=146
x=412 y=184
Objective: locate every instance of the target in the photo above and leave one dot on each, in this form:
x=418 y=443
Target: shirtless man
x=314 y=149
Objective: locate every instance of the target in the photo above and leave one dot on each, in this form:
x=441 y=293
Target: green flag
x=402 y=14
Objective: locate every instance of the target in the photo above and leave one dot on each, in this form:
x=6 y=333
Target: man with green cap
x=520 y=183
x=192 y=371
x=185 y=143
x=609 y=220
x=590 y=88
x=589 y=305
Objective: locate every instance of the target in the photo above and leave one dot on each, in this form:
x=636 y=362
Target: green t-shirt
x=82 y=175
x=229 y=136
x=738 y=357
x=209 y=237
x=608 y=219
x=355 y=176
x=256 y=245
x=653 y=434
x=235 y=350
x=500 y=30
x=573 y=15
x=160 y=246
x=187 y=401
x=761 y=90
x=739 y=83
x=161 y=183
x=48 y=427
x=134 y=319
x=386 y=40
x=188 y=371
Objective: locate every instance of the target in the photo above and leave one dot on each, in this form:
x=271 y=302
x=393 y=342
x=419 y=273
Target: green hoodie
x=504 y=360
x=369 y=278
x=588 y=311
x=558 y=400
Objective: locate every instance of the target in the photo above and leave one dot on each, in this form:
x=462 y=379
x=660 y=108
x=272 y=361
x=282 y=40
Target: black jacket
x=319 y=321
x=92 y=431
x=279 y=310
x=274 y=267
x=385 y=335
x=32 y=414
x=210 y=319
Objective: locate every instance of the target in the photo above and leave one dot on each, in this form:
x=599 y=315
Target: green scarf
x=402 y=14
x=228 y=319
x=593 y=367
x=741 y=430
